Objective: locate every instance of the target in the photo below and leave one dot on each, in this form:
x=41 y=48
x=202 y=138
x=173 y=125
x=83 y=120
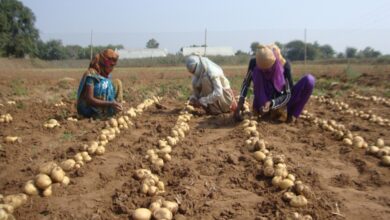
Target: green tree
x=73 y=51
x=152 y=43
x=51 y=50
x=295 y=50
x=254 y=46
x=326 y=51
x=369 y=52
x=240 y=52
x=350 y=52
x=18 y=36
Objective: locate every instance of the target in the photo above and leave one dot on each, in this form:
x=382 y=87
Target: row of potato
x=6 y=118
x=344 y=108
x=161 y=209
x=51 y=173
x=375 y=99
x=341 y=133
x=296 y=193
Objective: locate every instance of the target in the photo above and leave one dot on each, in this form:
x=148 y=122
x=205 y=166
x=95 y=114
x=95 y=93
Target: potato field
x=161 y=159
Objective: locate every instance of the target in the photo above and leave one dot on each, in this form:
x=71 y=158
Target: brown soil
x=211 y=174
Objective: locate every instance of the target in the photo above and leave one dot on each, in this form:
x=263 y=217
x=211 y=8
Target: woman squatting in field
x=210 y=88
x=273 y=86
x=98 y=95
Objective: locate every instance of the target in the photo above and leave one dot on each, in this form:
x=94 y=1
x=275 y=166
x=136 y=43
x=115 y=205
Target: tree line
x=20 y=38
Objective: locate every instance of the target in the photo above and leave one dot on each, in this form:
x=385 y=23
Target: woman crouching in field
x=98 y=95
x=273 y=86
x=210 y=88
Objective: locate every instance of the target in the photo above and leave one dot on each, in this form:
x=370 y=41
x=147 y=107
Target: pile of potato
x=161 y=155
x=373 y=98
x=339 y=131
x=9 y=203
x=159 y=209
x=11 y=102
x=11 y=139
x=344 y=108
x=380 y=150
x=151 y=185
x=72 y=119
x=49 y=173
x=60 y=104
x=6 y=118
x=133 y=112
x=52 y=123
x=275 y=167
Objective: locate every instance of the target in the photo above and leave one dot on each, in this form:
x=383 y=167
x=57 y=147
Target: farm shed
x=210 y=51
x=141 y=53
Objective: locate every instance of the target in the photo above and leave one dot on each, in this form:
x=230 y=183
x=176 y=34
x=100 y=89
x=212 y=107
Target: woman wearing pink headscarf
x=273 y=85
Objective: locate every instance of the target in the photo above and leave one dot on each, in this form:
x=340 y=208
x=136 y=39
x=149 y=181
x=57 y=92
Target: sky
x=234 y=23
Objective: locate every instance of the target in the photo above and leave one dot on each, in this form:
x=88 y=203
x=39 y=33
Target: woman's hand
x=237 y=113
x=195 y=103
x=266 y=107
x=117 y=106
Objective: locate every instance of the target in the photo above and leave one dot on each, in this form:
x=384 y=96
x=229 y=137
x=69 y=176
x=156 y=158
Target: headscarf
x=269 y=56
x=266 y=81
x=198 y=65
x=103 y=59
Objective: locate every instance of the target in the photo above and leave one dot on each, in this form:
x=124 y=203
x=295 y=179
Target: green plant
x=72 y=95
x=18 y=87
x=67 y=136
x=352 y=74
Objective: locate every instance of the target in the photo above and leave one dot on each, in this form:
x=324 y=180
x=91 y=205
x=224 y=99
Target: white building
x=210 y=51
x=141 y=53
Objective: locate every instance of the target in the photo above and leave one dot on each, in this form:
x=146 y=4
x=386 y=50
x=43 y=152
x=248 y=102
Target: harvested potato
x=142 y=173
x=30 y=189
x=386 y=160
x=42 y=181
x=78 y=157
x=7 y=208
x=276 y=180
x=162 y=214
x=15 y=200
x=286 y=183
x=47 y=192
x=380 y=142
x=152 y=190
x=171 y=206
x=154 y=205
x=100 y=150
x=167 y=157
x=347 y=141
x=161 y=186
x=144 y=188
x=68 y=165
x=65 y=181
x=269 y=171
x=298 y=201
x=159 y=162
x=52 y=123
x=57 y=174
x=47 y=167
x=86 y=156
x=259 y=156
x=287 y=196
x=10 y=139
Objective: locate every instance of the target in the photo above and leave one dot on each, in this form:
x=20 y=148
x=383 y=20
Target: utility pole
x=91 y=45
x=305 y=56
x=205 y=41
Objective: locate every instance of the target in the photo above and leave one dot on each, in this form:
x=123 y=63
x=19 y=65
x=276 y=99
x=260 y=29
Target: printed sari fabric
x=103 y=89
